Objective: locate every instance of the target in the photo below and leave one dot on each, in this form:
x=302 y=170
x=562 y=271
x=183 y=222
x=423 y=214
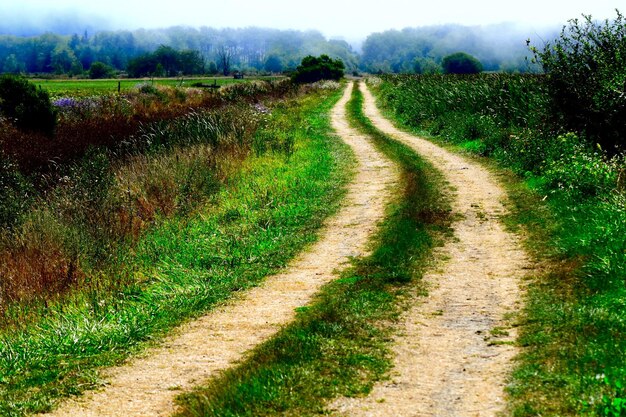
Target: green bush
x=461 y=63
x=99 y=70
x=26 y=106
x=586 y=79
x=314 y=69
x=579 y=171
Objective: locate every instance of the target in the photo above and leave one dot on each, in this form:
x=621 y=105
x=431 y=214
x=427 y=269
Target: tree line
x=184 y=50
x=168 y=51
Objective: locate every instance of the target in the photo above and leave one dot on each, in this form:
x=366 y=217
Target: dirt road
x=148 y=385
x=454 y=351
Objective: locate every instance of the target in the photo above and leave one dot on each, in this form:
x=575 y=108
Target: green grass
x=565 y=201
x=268 y=210
x=63 y=87
x=339 y=345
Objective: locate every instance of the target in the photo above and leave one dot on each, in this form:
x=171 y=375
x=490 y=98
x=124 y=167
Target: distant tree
x=273 y=64
x=28 y=107
x=212 y=68
x=99 y=70
x=142 y=66
x=169 y=59
x=191 y=62
x=12 y=65
x=429 y=66
x=62 y=59
x=76 y=68
x=461 y=63
x=224 y=56
x=318 y=68
x=417 y=66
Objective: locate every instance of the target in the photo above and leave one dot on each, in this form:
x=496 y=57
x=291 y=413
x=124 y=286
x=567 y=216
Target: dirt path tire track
x=448 y=360
x=148 y=385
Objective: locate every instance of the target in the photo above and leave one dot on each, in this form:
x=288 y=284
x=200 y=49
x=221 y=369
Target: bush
x=26 y=106
x=99 y=70
x=461 y=63
x=314 y=69
x=579 y=171
x=586 y=78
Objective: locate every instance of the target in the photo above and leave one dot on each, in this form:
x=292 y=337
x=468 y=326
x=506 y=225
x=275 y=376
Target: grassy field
x=80 y=88
x=339 y=346
x=268 y=208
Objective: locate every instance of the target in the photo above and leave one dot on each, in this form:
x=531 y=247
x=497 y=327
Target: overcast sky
x=335 y=18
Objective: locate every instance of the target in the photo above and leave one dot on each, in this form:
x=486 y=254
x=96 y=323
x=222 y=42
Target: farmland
x=72 y=88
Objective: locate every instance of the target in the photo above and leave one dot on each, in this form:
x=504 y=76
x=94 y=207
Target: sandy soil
x=148 y=385
x=453 y=352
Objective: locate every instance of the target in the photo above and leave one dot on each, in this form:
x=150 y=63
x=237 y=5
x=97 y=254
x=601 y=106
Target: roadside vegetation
x=338 y=346
x=561 y=134
x=116 y=242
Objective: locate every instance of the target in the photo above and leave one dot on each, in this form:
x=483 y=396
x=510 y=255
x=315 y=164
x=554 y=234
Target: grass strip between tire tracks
x=339 y=345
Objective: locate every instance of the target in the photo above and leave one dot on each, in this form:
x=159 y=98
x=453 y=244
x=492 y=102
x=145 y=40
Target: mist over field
x=349 y=19
x=41 y=36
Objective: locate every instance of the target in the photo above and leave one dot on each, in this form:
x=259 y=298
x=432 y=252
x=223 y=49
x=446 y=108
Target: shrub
x=586 y=79
x=461 y=63
x=99 y=70
x=314 y=69
x=579 y=171
x=26 y=106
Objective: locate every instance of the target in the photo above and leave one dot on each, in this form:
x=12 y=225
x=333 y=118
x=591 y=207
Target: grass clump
x=338 y=346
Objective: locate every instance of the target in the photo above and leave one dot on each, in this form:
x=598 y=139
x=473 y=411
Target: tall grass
x=572 y=363
x=263 y=210
x=103 y=203
x=115 y=166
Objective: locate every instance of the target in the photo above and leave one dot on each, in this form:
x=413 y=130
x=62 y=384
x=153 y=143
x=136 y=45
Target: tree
x=169 y=59
x=314 y=69
x=142 y=66
x=213 y=68
x=273 y=64
x=12 y=65
x=191 y=62
x=461 y=63
x=28 y=107
x=99 y=70
x=62 y=59
x=224 y=55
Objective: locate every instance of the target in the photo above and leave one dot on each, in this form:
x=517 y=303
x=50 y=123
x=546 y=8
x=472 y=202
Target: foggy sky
x=352 y=20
